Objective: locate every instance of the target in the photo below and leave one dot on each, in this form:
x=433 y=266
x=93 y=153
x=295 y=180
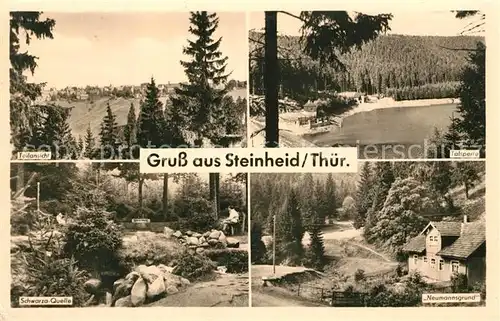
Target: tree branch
x=293 y=16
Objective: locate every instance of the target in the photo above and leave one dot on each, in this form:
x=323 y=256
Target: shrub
x=50 y=276
x=151 y=248
x=194 y=266
x=236 y=261
x=93 y=240
x=459 y=283
x=359 y=275
x=195 y=214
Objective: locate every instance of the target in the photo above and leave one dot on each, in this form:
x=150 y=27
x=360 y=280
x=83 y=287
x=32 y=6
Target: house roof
x=445 y=228
x=416 y=245
x=473 y=236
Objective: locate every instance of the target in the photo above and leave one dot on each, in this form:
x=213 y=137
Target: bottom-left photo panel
x=89 y=234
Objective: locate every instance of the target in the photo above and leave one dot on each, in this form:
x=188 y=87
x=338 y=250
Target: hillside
x=84 y=113
x=391 y=61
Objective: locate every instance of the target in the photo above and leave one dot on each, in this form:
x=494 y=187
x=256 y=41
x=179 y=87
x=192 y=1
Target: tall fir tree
x=151 y=123
x=89 y=142
x=330 y=197
x=56 y=133
x=320 y=202
x=471 y=125
x=316 y=251
x=198 y=104
x=307 y=200
x=108 y=135
x=289 y=230
x=130 y=130
x=363 y=195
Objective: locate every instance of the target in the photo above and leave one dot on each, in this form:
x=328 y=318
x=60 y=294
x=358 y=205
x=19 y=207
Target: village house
x=446 y=248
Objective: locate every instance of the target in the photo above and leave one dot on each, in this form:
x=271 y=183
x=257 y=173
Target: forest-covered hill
x=390 y=61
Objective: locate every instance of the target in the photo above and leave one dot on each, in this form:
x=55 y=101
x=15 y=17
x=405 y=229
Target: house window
x=433 y=263
x=441 y=265
x=425 y=259
x=454 y=266
x=415 y=259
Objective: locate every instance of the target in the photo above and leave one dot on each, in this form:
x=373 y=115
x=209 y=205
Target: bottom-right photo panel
x=395 y=234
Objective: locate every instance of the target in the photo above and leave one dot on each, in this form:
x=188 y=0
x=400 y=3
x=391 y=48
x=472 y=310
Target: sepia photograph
x=383 y=237
x=101 y=85
x=101 y=234
x=383 y=82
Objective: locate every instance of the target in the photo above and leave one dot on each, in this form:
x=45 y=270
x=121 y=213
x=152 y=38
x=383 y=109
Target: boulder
x=125 y=302
x=109 y=299
x=132 y=276
x=165 y=269
x=117 y=283
x=232 y=242
x=214 y=235
x=204 y=244
x=212 y=242
x=206 y=234
x=200 y=250
x=192 y=240
x=177 y=234
x=93 y=286
x=222 y=238
x=202 y=240
x=171 y=290
x=197 y=235
x=156 y=288
x=138 y=293
x=123 y=289
x=189 y=233
x=184 y=281
x=168 y=232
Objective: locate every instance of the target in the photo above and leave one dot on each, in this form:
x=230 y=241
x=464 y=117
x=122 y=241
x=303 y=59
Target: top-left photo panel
x=103 y=85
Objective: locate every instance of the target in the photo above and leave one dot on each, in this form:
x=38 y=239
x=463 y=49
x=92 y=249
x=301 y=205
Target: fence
x=333 y=298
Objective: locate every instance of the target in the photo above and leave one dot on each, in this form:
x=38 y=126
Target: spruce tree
x=109 y=135
x=258 y=248
x=89 y=143
x=320 y=205
x=330 y=197
x=363 y=195
x=307 y=200
x=130 y=130
x=151 y=123
x=471 y=125
x=55 y=132
x=198 y=103
x=316 y=251
x=81 y=146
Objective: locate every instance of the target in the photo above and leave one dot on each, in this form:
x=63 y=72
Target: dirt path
x=229 y=290
x=271 y=298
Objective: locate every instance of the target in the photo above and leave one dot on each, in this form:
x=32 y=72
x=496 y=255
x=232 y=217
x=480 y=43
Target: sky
x=128 y=48
x=435 y=23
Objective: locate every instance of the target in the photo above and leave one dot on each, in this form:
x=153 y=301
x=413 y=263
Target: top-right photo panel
x=391 y=84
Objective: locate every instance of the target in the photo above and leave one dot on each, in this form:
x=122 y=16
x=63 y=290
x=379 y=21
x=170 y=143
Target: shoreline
x=287 y=120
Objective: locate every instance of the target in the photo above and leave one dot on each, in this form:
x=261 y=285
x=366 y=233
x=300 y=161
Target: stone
x=133 y=276
x=171 y=290
x=232 y=242
x=165 y=269
x=93 y=286
x=117 y=283
x=125 y=302
x=184 y=281
x=109 y=299
x=189 y=233
x=206 y=234
x=204 y=244
x=200 y=250
x=177 y=234
x=213 y=242
x=197 y=235
x=214 y=235
x=123 y=289
x=138 y=293
x=222 y=237
x=202 y=240
x=192 y=240
x=168 y=232
x=156 y=288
